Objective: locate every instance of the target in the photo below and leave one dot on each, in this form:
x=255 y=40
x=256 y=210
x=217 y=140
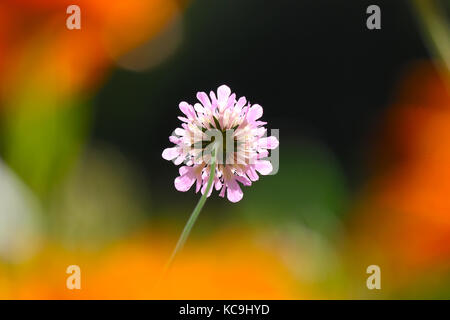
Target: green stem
x=194 y=215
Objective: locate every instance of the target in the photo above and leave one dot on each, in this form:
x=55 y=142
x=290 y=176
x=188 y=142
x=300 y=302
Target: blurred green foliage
x=42 y=137
x=309 y=188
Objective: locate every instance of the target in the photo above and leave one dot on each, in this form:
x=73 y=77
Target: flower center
x=224 y=141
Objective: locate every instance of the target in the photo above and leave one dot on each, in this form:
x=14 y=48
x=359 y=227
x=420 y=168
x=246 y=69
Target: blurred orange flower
x=220 y=267
x=38 y=52
x=406 y=221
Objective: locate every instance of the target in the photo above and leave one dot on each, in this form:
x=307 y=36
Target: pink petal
x=234 y=192
x=183 y=170
x=187 y=109
x=222 y=192
x=218 y=184
x=184 y=182
x=244 y=111
x=244 y=180
x=255 y=112
x=263 y=154
x=180 y=132
x=203 y=98
x=268 y=142
x=199 y=108
x=179 y=160
x=205 y=184
x=183 y=119
x=261 y=131
x=240 y=103
x=263 y=166
x=213 y=100
x=174 y=139
x=231 y=101
x=199 y=185
x=251 y=173
x=171 y=153
x=222 y=95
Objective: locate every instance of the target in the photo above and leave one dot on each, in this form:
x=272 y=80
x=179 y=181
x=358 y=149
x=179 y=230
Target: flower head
x=226 y=130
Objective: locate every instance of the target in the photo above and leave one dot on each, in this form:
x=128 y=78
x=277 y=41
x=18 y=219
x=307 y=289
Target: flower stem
x=194 y=215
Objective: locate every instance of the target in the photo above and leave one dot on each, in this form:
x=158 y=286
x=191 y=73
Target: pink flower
x=230 y=126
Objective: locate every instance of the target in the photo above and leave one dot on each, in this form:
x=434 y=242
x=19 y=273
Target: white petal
x=180 y=132
x=171 y=153
x=199 y=108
